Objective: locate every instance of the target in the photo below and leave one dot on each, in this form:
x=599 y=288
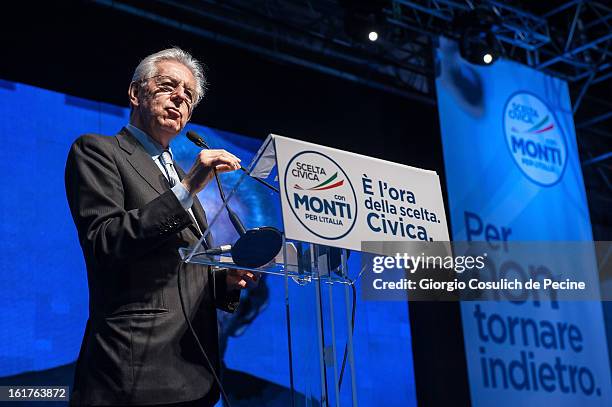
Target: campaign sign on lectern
x=337 y=198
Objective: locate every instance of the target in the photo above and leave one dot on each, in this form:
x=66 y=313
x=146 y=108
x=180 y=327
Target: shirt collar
x=151 y=146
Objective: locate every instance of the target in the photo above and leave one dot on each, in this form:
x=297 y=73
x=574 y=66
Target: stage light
x=477 y=42
x=364 y=20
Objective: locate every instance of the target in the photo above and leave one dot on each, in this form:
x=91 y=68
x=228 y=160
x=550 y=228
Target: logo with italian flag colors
x=534 y=139
x=320 y=195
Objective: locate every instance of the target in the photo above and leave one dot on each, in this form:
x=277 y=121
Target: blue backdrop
x=44 y=289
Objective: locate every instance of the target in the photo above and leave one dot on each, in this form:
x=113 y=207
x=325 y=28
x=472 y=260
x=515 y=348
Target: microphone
x=196 y=139
x=199 y=141
x=255 y=247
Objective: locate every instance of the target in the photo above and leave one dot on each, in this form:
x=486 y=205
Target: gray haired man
x=134 y=207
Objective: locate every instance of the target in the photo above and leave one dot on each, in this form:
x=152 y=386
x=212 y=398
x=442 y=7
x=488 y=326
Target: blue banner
x=513 y=174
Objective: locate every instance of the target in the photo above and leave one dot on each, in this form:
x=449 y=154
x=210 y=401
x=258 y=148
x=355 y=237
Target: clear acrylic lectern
x=319 y=303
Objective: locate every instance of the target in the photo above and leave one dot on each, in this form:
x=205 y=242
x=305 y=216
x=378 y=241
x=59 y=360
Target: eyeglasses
x=169 y=85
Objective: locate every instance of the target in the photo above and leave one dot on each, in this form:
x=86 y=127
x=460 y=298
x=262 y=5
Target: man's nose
x=180 y=96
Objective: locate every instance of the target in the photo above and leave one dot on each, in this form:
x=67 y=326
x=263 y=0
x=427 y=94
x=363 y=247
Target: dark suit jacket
x=137 y=348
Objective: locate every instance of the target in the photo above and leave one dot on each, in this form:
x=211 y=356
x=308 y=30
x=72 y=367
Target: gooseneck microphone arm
x=255 y=247
x=238 y=225
x=236 y=222
x=199 y=141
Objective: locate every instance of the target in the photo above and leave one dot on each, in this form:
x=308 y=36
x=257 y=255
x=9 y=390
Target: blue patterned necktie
x=166 y=160
x=173 y=178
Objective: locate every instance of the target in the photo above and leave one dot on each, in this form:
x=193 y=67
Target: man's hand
x=201 y=172
x=239 y=279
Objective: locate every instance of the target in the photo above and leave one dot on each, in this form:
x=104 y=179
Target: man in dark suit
x=134 y=208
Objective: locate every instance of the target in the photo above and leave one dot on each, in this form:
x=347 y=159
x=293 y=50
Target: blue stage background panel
x=44 y=289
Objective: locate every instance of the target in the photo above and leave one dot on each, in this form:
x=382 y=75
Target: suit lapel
x=150 y=172
x=142 y=162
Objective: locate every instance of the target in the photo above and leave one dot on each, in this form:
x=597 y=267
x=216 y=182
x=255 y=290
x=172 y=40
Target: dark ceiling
x=287 y=66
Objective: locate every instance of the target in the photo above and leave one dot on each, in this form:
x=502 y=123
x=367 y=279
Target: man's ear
x=133 y=94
